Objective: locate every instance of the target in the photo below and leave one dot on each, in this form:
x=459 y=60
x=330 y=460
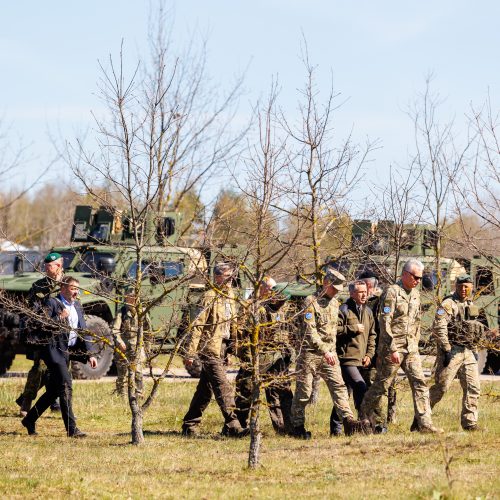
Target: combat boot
x=352 y=426
x=414 y=425
x=188 y=431
x=301 y=433
x=472 y=428
x=241 y=432
x=430 y=429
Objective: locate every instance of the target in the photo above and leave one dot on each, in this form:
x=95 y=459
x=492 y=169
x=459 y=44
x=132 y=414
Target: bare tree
x=167 y=128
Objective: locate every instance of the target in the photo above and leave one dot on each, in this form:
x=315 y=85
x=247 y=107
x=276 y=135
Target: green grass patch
x=397 y=465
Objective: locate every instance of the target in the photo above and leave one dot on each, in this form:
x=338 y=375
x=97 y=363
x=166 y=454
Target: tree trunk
x=137 y=421
x=315 y=390
x=255 y=437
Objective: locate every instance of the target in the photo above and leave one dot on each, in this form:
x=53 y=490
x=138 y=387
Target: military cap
x=366 y=274
x=464 y=278
x=335 y=278
x=51 y=257
x=223 y=268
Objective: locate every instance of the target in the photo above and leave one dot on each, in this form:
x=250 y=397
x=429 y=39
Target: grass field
x=397 y=465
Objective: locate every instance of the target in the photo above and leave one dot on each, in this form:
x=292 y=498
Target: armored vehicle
x=104 y=260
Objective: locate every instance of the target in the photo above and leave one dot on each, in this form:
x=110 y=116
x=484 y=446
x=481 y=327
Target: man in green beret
x=40 y=291
x=458 y=334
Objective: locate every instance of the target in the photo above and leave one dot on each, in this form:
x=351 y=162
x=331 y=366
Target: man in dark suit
x=59 y=342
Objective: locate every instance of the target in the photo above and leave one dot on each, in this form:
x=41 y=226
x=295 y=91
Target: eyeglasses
x=416 y=278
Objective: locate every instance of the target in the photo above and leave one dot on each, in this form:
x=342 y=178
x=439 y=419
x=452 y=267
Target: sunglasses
x=416 y=278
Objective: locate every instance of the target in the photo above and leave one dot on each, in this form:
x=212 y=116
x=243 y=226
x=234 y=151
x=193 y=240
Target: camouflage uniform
x=39 y=292
x=125 y=335
x=399 y=320
x=215 y=323
x=457 y=336
x=275 y=357
x=370 y=373
x=319 y=323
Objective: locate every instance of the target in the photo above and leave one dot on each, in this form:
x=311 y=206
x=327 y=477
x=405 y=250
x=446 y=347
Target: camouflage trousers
x=386 y=373
x=123 y=364
x=369 y=375
x=464 y=364
x=308 y=365
x=37 y=377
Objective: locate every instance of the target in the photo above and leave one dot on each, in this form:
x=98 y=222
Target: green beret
x=464 y=278
x=51 y=257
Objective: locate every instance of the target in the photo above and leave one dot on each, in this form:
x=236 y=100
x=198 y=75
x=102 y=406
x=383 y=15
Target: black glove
x=447 y=358
x=476 y=355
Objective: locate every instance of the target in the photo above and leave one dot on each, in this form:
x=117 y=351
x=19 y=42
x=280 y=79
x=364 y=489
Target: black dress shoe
x=300 y=432
x=30 y=427
x=55 y=406
x=77 y=434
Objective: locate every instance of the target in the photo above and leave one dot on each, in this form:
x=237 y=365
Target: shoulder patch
x=278 y=317
x=308 y=315
x=440 y=311
x=387 y=309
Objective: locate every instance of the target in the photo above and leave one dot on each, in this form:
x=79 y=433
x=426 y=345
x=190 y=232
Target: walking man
x=216 y=322
x=399 y=320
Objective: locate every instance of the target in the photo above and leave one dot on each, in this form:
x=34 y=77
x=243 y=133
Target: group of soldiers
x=356 y=348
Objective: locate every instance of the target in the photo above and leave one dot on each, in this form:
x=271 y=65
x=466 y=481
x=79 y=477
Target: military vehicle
x=373 y=249
x=104 y=260
x=12 y=262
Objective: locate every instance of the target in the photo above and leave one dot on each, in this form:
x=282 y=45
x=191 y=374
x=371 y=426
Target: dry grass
x=397 y=465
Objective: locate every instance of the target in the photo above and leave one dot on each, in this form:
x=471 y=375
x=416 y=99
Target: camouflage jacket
x=319 y=320
x=125 y=326
x=453 y=325
x=216 y=321
x=274 y=326
x=399 y=319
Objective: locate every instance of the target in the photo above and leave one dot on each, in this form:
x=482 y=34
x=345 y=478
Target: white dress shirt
x=72 y=320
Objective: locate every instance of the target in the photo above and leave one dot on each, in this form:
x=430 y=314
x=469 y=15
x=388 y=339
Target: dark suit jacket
x=55 y=343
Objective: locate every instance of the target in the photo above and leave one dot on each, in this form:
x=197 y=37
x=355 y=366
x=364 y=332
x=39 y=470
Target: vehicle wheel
x=103 y=354
x=195 y=369
x=8 y=342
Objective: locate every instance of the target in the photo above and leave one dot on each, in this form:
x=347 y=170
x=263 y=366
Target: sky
x=376 y=53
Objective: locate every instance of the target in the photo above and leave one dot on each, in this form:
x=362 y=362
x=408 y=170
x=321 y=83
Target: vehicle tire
x=103 y=354
x=195 y=369
x=8 y=343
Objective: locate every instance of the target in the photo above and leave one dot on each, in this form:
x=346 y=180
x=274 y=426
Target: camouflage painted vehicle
x=105 y=262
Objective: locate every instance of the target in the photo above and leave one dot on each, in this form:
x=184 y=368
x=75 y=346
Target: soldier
x=125 y=336
x=275 y=357
x=215 y=322
x=368 y=374
x=458 y=333
x=355 y=345
x=399 y=320
x=318 y=356
x=40 y=291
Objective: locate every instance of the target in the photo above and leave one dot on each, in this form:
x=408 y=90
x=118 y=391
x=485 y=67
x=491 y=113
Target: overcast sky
x=378 y=53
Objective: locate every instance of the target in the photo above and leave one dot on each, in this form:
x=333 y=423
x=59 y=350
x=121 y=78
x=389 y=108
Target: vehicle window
x=484 y=281
x=429 y=280
x=160 y=272
x=7 y=264
x=132 y=270
x=68 y=257
x=92 y=262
